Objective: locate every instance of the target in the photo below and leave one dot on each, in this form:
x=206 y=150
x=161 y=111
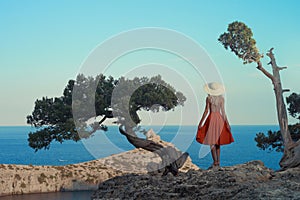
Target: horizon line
x=159 y=125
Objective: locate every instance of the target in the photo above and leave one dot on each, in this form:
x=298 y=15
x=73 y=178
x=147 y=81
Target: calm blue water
x=78 y=195
x=15 y=150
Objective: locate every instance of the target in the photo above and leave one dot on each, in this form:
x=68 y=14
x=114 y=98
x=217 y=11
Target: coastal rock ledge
x=251 y=180
x=24 y=179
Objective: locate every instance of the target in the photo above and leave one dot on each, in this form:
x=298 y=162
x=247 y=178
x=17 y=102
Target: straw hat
x=214 y=88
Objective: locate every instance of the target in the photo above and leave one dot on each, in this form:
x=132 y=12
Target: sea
x=14 y=149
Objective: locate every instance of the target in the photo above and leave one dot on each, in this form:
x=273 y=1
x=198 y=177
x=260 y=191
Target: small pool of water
x=78 y=195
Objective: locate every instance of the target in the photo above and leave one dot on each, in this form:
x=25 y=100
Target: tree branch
x=281 y=68
x=264 y=71
x=285 y=90
x=102 y=120
x=273 y=61
x=271 y=56
x=172 y=159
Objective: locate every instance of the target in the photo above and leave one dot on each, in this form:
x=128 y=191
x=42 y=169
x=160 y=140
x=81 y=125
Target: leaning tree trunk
x=291 y=155
x=172 y=159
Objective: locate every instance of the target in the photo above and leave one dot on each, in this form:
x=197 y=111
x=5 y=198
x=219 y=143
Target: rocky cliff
x=21 y=179
x=246 y=181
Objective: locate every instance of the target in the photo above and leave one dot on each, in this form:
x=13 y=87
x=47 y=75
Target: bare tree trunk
x=172 y=160
x=281 y=109
x=291 y=155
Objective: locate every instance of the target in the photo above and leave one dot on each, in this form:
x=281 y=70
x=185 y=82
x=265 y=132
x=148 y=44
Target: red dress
x=215 y=130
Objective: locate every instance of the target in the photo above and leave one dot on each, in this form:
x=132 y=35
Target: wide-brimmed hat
x=214 y=88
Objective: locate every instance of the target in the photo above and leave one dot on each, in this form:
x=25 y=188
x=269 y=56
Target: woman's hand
x=200 y=125
x=227 y=124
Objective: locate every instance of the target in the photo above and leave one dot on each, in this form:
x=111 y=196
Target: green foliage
x=42 y=178
x=88 y=98
x=91 y=94
x=144 y=93
x=54 y=118
x=18 y=177
x=23 y=185
x=273 y=140
x=239 y=39
x=293 y=102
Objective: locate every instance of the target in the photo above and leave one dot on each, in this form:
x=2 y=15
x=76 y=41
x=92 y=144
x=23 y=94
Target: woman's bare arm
x=223 y=109
x=206 y=111
x=223 y=113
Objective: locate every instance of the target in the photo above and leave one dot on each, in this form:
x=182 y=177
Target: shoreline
x=35 y=179
x=45 y=193
x=155 y=125
x=30 y=179
x=27 y=179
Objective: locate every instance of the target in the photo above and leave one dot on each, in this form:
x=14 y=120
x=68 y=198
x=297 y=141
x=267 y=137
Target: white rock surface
x=21 y=179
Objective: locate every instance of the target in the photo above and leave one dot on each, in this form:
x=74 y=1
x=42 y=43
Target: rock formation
x=246 y=181
x=21 y=179
x=126 y=176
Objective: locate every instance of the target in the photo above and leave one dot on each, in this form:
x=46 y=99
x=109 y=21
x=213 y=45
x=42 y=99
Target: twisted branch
x=281 y=68
x=285 y=90
x=264 y=71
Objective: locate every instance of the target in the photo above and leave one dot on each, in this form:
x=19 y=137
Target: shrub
x=42 y=178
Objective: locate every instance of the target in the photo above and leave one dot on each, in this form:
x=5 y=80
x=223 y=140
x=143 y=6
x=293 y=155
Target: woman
x=213 y=128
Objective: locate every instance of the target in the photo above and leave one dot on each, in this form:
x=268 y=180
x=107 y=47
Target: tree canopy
x=95 y=97
x=273 y=139
x=294 y=105
x=239 y=39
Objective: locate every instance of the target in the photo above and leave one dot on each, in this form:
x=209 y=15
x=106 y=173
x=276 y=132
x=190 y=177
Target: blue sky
x=44 y=43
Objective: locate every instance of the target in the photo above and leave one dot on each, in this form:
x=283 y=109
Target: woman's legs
x=214 y=154
x=218 y=152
